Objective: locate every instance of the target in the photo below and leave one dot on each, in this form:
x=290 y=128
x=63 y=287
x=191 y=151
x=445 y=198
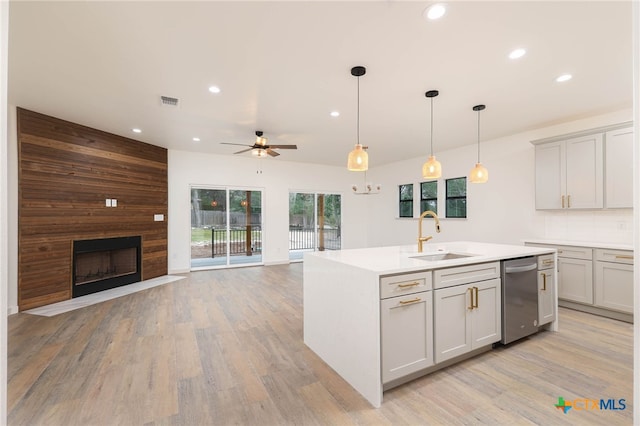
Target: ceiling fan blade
x=272 y=152
x=239 y=144
x=284 y=146
x=244 y=150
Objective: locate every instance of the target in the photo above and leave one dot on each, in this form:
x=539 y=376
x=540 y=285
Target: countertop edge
x=591 y=244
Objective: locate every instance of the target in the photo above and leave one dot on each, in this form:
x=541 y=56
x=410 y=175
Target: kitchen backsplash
x=607 y=226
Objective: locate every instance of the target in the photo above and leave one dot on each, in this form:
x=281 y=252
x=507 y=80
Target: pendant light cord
x=432 y=127
x=358 y=114
x=478 y=136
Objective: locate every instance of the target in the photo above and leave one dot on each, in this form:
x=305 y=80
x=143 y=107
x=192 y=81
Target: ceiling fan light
x=479 y=174
x=432 y=168
x=258 y=152
x=358 y=160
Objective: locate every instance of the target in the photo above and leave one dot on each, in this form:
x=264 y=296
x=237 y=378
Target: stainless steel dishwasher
x=519 y=298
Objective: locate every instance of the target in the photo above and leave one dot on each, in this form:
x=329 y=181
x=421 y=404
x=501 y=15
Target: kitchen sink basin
x=442 y=256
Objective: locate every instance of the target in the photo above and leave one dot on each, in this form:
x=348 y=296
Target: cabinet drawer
x=465 y=274
x=572 y=252
x=546 y=261
x=617 y=256
x=398 y=285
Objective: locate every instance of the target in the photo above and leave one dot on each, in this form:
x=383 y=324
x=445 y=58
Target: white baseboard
x=12 y=310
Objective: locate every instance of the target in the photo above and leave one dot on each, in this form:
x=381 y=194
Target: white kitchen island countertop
x=401 y=259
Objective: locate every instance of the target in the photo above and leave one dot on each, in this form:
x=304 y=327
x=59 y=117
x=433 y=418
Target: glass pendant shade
x=358 y=160
x=432 y=168
x=479 y=174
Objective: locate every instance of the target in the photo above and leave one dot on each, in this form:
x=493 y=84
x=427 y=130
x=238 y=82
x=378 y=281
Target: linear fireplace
x=105 y=263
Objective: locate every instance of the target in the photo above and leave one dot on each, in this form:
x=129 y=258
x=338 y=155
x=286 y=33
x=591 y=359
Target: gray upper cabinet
x=619 y=168
x=585 y=170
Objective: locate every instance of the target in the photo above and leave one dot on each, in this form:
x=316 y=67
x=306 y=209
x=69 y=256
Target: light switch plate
x=158 y=217
x=107 y=202
x=114 y=202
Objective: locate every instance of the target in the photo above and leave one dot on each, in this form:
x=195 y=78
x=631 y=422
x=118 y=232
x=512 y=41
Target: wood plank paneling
x=66 y=171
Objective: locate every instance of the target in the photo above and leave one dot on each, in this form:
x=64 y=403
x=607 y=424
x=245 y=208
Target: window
x=429 y=196
x=406 y=200
x=456 y=200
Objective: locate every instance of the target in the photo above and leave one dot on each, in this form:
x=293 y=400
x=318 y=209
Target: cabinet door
x=584 y=168
x=485 y=318
x=407 y=334
x=452 y=335
x=618 y=168
x=546 y=297
x=575 y=280
x=614 y=286
x=550 y=175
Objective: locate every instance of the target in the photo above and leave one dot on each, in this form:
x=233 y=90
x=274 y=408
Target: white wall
x=503 y=209
x=4 y=203
x=277 y=179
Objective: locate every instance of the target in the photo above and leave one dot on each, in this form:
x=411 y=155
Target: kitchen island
x=383 y=316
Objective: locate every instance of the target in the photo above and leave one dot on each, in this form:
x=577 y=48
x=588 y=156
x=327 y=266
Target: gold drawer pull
x=563 y=201
x=624 y=256
x=475 y=289
x=409 y=302
x=413 y=284
x=471 y=304
x=568 y=201
x=547 y=262
x=544 y=282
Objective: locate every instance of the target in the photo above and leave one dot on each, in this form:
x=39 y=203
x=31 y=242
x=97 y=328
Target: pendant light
x=479 y=173
x=432 y=168
x=358 y=160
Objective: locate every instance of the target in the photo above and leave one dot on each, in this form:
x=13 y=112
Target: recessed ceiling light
x=136 y=130
x=196 y=139
x=214 y=89
x=435 y=11
x=335 y=114
x=564 y=77
x=517 y=53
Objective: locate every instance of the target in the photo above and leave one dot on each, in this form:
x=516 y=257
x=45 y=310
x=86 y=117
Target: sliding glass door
x=314 y=223
x=226 y=227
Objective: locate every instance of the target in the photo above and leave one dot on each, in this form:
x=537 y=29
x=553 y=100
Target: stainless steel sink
x=442 y=256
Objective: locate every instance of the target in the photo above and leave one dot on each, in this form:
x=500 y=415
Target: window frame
x=402 y=202
x=434 y=199
x=456 y=197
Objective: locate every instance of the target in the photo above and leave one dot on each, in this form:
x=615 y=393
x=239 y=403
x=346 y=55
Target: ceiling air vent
x=169 y=101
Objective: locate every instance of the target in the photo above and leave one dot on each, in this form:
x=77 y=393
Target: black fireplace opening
x=106 y=263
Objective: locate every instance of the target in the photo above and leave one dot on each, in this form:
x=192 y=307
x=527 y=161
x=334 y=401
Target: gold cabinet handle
x=547 y=262
x=544 y=281
x=476 y=291
x=568 y=201
x=409 y=302
x=563 y=201
x=413 y=284
x=624 y=256
x=470 y=290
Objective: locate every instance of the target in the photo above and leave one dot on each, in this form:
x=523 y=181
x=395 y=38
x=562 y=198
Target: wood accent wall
x=66 y=172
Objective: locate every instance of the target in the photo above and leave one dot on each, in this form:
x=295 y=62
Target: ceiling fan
x=261 y=148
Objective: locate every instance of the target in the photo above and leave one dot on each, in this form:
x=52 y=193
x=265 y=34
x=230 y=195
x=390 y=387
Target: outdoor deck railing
x=303 y=238
x=237 y=241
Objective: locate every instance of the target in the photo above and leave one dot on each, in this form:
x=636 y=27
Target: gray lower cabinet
x=467 y=317
x=406 y=324
x=407 y=334
x=613 y=285
x=595 y=280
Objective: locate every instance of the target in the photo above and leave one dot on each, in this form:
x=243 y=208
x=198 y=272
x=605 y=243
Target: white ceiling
x=284 y=66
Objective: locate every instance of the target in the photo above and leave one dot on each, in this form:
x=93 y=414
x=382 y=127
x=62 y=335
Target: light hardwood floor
x=225 y=347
